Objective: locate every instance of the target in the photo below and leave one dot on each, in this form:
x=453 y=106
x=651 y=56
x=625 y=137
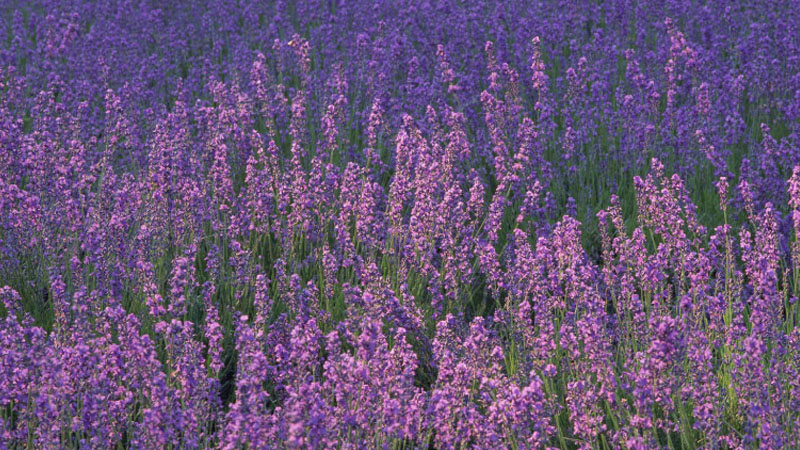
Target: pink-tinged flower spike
x=446 y=72
x=302 y=50
x=539 y=79
x=194 y=389
x=262 y=302
x=260 y=191
x=376 y=129
x=246 y=422
x=701 y=387
x=658 y=375
x=715 y=156
x=761 y=259
x=182 y=278
x=746 y=196
x=794 y=202
x=213 y=331
x=494 y=117
x=22 y=221
x=722 y=192
x=260 y=79
x=584 y=333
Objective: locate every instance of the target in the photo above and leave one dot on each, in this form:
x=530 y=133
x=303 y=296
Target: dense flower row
x=402 y=224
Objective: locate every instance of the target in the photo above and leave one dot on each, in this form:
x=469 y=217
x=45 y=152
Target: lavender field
x=450 y=224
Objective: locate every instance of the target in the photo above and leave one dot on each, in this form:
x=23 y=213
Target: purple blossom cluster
x=401 y=224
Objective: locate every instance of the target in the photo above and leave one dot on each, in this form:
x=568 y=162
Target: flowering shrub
x=399 y=224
